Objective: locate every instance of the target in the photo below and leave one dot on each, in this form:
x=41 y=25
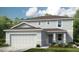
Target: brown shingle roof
x=55 y=30
x=50 y=17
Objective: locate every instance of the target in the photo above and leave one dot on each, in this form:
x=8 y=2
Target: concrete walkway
x=11 y=49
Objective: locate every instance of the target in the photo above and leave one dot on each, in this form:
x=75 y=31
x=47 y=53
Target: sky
x=14 y=12
x=33 y=8
x=26 y=12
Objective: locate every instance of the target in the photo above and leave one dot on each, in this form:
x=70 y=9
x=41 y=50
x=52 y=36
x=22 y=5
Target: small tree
x=5 y=23
x=76 y=27
x=16 y=21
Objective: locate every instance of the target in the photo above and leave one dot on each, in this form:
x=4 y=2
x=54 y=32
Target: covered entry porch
x=56 y=36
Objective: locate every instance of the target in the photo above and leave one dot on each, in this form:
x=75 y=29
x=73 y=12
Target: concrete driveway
x=12 y=49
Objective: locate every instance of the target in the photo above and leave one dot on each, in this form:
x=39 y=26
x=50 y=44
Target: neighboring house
x=43 y=30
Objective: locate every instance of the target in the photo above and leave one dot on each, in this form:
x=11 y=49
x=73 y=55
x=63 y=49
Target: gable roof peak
x=21 y=24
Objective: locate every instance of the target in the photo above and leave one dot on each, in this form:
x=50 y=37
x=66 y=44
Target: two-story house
x=43 y=30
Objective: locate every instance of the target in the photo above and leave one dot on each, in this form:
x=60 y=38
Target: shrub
x=76 y=43
x=69 y=45
x=2 y=41
x=61 y=45
x=74 y=46
x=4 y=45
x=55 y=45
x=51 y=45
x=38 y=45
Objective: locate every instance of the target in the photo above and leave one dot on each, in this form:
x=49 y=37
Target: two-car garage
x=23 y=35
x=23 y=40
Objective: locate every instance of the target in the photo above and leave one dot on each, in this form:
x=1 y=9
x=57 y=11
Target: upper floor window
x=48 y=22
x=59 y=23
x=39 y=22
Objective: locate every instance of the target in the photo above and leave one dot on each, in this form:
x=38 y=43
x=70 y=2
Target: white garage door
x=23 y=40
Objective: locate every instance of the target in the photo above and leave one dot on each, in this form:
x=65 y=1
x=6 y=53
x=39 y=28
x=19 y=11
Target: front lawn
x=53 y=50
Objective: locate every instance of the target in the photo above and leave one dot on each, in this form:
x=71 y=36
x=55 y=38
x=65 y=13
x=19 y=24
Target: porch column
x=54 y=37
x=64 y=38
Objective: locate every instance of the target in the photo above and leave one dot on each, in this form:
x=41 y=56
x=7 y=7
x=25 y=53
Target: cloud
x=62 y=11
x=31 y=11
x=52 y=10
x=69 y=12
x=41 y=13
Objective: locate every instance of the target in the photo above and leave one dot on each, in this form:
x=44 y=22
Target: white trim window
x=47 y=22
x=39 y=22
x=59 y=23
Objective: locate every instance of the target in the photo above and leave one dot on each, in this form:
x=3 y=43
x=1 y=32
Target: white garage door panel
x=23 y=40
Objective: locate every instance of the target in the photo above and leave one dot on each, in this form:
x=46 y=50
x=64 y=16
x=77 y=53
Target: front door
x=59 y=38
x=50 y=38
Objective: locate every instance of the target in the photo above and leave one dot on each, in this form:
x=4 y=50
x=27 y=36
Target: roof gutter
x=47 y=19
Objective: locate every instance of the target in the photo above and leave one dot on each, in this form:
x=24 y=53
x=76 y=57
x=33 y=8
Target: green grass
x=53 y=50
